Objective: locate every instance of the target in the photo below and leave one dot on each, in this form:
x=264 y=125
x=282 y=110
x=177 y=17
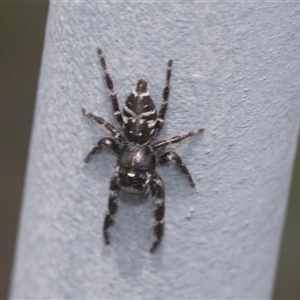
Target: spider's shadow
x=134 y=199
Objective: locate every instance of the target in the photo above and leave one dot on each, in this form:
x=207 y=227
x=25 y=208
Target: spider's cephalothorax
x=137 y=158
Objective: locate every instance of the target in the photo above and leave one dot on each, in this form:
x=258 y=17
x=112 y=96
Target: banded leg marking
x=105 y=141
x=176 y=139
x=101 y=121
x=158 y=193
x=174 y=157
x=165 y=97
x=112 y=207
x=110 y=86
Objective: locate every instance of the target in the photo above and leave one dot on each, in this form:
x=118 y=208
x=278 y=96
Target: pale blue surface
x=236 y=73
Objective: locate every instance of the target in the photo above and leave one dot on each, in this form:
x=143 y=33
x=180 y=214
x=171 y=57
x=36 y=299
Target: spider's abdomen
x=139 y=115
x=136 y=164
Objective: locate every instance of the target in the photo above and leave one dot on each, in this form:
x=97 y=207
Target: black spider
x=137 y=158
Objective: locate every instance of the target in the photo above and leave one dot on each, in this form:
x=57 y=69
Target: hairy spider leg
x=101 y=121
x=158 y=193
x=176 y=139
x=165 y=97
x=174 y=157
x=112 y=206
x=110 y=86
x=110 y=143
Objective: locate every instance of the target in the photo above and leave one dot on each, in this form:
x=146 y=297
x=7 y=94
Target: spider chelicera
x=137 y=158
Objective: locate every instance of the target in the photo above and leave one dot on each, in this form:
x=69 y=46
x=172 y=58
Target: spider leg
x=112 y=92
x=165 y=97
x=105 y=141
x=112 y=206
x=176 y=139
x=101 y=121
x=174 y=157
x=158 y=192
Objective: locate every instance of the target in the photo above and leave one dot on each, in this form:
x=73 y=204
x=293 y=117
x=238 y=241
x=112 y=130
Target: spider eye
x=131 y=174
x=142 y=176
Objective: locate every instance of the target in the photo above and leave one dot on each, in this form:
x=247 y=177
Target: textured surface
x=236 y=72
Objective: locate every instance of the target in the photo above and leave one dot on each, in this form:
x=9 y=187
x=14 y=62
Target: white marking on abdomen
x=151 y=123
x=141 y=95
x=141 y=115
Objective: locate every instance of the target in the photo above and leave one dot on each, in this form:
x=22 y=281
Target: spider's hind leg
x=158 y=192
x=110 y=87
x=101 y=121
x=165 y=98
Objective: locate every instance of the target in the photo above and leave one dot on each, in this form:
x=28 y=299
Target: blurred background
x=22 y=27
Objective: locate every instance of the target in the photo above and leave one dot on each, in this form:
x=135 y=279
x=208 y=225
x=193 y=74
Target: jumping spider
x=137 y=158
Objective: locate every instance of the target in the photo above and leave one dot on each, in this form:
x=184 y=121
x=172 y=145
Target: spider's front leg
x=158 y=193
x=112 y=206
x=174 y=157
